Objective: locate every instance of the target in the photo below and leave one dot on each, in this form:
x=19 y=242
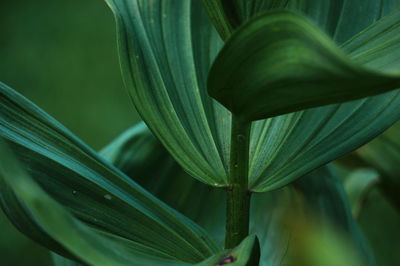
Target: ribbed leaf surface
x=321 y=191
x=91 y=189
x=341 y=19
x=166 y=49
x=284 y=147
x=280 y=63
x=87 y=244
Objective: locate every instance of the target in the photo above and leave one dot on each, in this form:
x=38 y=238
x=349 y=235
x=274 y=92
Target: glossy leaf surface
x=340 y=19
x=320 y=191
x=280 y=63
x=166 y=49
x=91 y=189
x=167 y=86
x=302 y=140
x=89 y=245
x=167 y=181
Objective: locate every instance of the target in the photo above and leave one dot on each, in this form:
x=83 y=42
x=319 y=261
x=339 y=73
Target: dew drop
x=107 y=197
x=74 y=192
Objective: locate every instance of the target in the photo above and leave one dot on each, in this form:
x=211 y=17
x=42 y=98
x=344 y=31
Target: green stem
x=238 y=196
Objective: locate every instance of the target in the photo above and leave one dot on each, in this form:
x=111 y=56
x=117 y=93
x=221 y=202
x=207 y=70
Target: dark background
x=62 y=55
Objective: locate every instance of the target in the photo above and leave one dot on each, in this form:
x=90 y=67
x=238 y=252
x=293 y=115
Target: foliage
x=286 y=96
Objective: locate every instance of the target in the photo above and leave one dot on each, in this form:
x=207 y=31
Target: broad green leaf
x=246 y=254
x=294 y=144
x=321 y=189
x=280 y=63
x=90 y=188
x=340 y=19
x=154 y=169
x=87 y=244
x=166 y=48
x=167 y=85
x=357 y=185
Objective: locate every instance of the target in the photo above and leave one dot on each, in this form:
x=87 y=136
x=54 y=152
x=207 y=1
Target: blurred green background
x=62 y=55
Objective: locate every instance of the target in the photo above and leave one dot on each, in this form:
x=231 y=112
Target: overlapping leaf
x=280 y=63
x=167 y=181
x=320 y=191
x=91 y=189
x=91 y=247
x=88 y=245
x=303 y=140
x=166 y=49
x=341 y=19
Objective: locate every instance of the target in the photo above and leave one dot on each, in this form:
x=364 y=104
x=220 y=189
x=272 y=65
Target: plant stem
x=238 y=196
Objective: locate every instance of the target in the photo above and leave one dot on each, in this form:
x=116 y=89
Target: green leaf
x=383 y=153
x=218 y=15
x=380 y=222
x=321 y=189
x=246 y=254
x=206 y=206
x=227 y=15
x=62 y=261
x=316 y=207
x=167 y=85
x=319 y=135
x=87 y=244
x=358 y=184
x=90 y=188
x=166 y=49
x=326 y=202
x=340 y=19
x=280 y=63
x=155 y=170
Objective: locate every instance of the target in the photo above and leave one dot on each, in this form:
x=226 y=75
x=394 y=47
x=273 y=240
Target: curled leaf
x=280 y=63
